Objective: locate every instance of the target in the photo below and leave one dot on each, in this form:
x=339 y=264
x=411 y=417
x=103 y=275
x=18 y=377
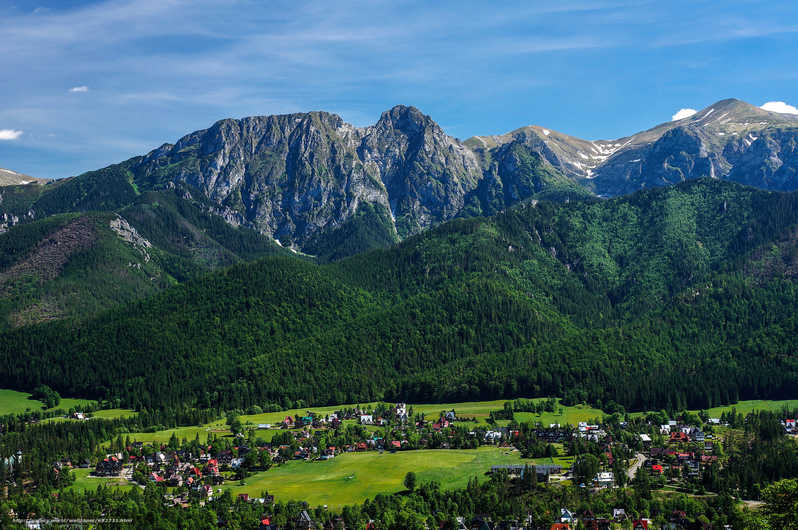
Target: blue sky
x=86 y=84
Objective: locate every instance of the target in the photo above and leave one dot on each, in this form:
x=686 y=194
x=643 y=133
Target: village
x=603 y=454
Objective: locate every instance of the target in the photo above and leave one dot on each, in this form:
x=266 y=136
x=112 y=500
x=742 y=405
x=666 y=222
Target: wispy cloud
x=9 y=134
x=158 y=69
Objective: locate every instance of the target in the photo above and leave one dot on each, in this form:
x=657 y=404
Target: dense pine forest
x=671 y=297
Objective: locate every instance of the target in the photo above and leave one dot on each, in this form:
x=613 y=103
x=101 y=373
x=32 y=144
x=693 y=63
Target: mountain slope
x=75 y=265
x=651 y=300
x=729 y=139
x=12 y=178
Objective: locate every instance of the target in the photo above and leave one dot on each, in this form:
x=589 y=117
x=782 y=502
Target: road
x=640 y=458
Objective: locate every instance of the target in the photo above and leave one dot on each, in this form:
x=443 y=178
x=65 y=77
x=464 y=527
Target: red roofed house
x=679 y=436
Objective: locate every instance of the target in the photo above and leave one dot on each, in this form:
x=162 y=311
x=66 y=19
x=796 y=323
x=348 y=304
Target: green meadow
x=83 y=481
x=13 y=402
x=353 y=477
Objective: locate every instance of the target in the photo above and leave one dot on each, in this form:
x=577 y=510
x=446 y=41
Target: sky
x=86 y=84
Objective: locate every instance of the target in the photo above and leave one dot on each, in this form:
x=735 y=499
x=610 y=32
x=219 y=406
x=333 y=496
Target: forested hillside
x=75 y=263
x=680 y=296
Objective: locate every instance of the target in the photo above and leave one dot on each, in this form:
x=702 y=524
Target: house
x=646 y=439
x=493 y=436
x=619 y=514
x=698 y=435
x=656 y=469
x=567 y=516
x=679 y=437
x=560 y=526
x=304 y=521
x=604 y=479
x=366 y=419
x=440 y=424
x=641 y=524
x=396 y=444
x=108 y=467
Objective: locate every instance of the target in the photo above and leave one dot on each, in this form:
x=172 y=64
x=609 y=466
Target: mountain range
x=273 y=259
x=308 y=179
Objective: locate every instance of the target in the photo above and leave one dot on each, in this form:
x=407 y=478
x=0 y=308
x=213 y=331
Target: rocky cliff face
x=297 y=177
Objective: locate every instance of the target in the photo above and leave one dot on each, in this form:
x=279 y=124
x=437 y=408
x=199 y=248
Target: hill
x=677 y=297
x=75 y=265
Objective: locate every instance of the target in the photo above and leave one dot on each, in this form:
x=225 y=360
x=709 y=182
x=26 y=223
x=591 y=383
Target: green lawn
x=84 y=482
x=353 y=477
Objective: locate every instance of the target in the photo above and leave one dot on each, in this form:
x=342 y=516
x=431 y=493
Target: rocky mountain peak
x=296 y=176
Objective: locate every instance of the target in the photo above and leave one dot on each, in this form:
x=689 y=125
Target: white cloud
x=683 y=113
x=779 y=106
x=82 y=88
x=9 y=134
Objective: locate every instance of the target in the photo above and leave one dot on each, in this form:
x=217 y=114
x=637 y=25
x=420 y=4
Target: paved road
x=640 y=458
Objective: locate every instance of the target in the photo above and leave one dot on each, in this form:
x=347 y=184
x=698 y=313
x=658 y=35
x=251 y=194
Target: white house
x=366 y=419
x=604 y=479
x=493 y=436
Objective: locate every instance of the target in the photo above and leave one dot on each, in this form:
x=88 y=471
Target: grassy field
x=744 y=407
x=353 y=477
x=113 y=414
x=189 y=433
x=570 y=415
x=13 y=402
x=84 y=482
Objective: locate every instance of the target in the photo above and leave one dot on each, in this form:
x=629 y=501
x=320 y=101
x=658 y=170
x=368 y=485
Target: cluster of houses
x=334 y=419
x=675 y=456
